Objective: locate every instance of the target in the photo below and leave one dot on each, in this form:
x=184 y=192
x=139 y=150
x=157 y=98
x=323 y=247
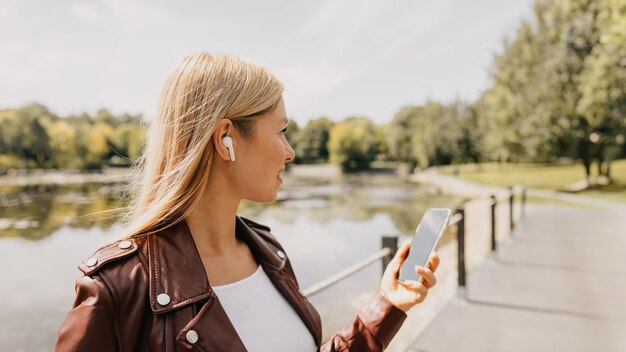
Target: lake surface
x=325 y=225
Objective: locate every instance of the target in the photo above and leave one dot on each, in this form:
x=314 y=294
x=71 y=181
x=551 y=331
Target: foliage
x=312 y=141
x=557 y=90
x=558 y=87
x=34 y=137
x=352 y=143
x=433 y=134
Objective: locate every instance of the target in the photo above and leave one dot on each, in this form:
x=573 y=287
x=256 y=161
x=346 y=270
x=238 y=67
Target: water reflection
x=34 y=212
x=354 y=198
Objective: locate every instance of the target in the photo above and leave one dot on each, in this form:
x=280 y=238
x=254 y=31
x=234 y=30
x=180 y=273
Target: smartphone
x=424 y=242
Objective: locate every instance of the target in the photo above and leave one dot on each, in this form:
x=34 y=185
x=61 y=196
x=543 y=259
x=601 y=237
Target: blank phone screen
x=426 y=235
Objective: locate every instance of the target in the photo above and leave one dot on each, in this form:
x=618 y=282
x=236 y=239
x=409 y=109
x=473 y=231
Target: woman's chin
x=270 y=198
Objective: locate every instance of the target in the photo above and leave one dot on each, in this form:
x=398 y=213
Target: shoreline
x=64 y=177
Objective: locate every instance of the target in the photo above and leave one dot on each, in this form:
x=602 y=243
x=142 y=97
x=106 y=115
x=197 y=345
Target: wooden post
x=494 y=202
x=524 y=200
x=511 y=208
x=460 y=239
x=390 y=242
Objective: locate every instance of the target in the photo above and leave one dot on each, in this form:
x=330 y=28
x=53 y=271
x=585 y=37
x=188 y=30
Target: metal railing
x=458 y=219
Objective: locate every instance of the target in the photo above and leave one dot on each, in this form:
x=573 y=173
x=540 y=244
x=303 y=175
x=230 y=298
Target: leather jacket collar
x=175 y=268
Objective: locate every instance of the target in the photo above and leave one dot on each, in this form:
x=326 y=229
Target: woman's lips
x=280 y=176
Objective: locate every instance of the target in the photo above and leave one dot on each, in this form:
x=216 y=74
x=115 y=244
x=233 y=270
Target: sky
x=336 y=58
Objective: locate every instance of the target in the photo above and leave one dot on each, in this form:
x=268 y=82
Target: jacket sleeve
x=371 y=330
x=90 y=325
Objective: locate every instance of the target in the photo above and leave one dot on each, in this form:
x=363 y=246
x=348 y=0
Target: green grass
x=543 y=176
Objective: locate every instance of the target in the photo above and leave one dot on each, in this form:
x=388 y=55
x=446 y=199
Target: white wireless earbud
x=227 y=141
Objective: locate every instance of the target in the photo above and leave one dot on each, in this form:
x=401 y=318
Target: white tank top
x=262 y=317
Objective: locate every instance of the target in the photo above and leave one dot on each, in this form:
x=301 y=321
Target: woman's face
x=261 y=158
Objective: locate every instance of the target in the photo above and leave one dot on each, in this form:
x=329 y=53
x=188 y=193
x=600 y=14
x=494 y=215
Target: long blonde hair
x=174 y=168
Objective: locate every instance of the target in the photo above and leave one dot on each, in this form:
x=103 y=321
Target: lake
x=324 y=223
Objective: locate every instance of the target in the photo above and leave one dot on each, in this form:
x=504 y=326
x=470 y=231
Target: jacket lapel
x=213 y=328
x=279 y=271
x=176 y=271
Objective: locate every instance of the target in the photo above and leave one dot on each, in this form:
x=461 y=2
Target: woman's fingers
x=428 y=278
x=433 y=263
x=419 y=290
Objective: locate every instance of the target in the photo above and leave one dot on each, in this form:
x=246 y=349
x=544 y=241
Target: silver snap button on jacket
x=163 y=299
x=125 y=244
x=191 y=336
x=92 y=261
x=281 y=254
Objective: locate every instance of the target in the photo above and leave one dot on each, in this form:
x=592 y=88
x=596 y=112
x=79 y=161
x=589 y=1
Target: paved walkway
x=557 y=284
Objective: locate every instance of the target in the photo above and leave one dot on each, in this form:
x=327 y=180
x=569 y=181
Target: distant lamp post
x=594 y=137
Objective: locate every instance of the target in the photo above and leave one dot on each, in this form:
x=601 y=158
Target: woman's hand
x=405 y=295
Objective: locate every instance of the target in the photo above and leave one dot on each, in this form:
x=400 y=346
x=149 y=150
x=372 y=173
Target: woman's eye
x=283 y=130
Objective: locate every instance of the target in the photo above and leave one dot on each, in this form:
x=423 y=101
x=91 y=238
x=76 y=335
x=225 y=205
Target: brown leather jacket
x=152 y=294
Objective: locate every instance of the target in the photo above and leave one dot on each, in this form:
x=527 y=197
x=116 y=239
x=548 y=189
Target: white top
x=262 y=317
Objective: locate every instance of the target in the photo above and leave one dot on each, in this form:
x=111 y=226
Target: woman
x=190 y=273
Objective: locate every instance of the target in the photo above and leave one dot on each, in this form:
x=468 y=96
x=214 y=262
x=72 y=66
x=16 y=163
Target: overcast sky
x=337 y=58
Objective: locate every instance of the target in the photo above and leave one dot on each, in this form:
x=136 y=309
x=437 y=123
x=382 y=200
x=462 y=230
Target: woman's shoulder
x=116 y=257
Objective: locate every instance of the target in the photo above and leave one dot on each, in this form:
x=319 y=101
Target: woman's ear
x=224 y=128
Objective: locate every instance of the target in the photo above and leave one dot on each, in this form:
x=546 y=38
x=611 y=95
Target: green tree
x=603 y=86
x=434 y=134
x=312 y=141
x=63 y=144
x=400 y=133
x=352 y=143
x=126 y=142
x=557 y=84
x=382 y=146
x=32 y=144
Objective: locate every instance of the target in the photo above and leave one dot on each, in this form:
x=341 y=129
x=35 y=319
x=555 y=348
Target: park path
x=555 y=284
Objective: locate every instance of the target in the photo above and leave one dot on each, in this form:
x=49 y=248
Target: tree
x=352 y=143
x=63 y=144
x=126 y=142
x=382 y=146
x=400 y=133
x=32 y=144
x=603 y=86
x=557 y=87
x=434 y=134
x=312 y=141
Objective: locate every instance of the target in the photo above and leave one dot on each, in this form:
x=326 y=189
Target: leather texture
x=117 y=306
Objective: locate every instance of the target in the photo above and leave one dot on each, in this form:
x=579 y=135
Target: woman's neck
x=212 y=222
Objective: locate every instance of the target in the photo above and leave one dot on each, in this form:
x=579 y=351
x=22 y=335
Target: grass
x=554 y=177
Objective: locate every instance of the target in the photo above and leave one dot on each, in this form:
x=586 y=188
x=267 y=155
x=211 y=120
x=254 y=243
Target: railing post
x=493 y=222
x=511 y=208
x=390 y=242
x=524 y=189
x=460 y=239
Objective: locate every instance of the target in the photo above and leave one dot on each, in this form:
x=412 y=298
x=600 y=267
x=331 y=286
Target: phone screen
x=426 y=237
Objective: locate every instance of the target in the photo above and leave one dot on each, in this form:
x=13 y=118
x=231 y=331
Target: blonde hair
x=174 y=168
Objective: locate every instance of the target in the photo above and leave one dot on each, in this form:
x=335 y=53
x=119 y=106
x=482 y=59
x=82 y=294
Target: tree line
x=558 y=90
x=34 y=137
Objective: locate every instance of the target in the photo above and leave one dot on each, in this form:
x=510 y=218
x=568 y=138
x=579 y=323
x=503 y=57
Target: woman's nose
x=290 y=153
